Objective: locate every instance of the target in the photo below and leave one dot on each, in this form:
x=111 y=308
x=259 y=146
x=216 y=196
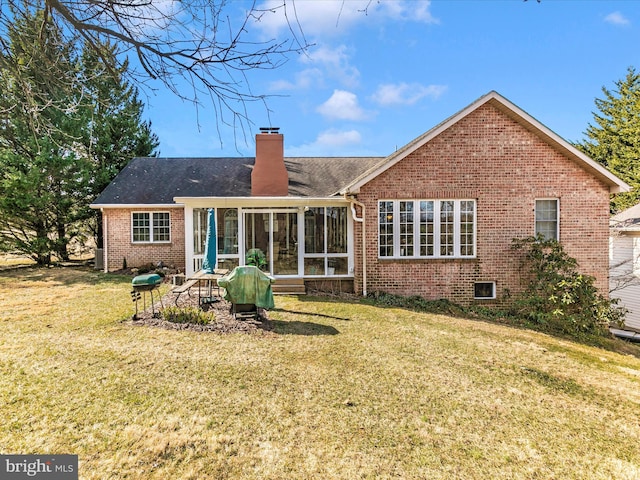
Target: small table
x=208 y=279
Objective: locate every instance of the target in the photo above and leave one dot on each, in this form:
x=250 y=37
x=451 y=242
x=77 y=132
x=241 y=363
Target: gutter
x=626 y=334
x=361 y=220
x=102 y=206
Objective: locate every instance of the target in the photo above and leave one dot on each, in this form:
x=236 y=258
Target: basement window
x=484 y=290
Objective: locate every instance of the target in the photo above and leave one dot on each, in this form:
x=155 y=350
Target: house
x=624 y=260
x=435 y=218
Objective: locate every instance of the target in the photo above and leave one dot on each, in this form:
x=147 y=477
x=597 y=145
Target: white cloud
x=405 y=93
x=336 y=64
x=337 y=138
x=308 y=18
x=342 y=105
x=616 y=18
x=324 y=64
x=330 y=142
x=333 y=17
x=149 y=19
x=408 y=11
x=303 y=80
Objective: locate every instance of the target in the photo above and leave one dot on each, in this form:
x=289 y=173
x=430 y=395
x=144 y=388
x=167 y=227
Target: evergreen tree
x=614 y=138
x=114 y=131
x=55 y=154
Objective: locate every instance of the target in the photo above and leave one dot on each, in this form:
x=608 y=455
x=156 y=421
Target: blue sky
x=374 y=81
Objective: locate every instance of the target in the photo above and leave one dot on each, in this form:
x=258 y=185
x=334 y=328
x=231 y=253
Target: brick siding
x=488 y=157
x=117 y=227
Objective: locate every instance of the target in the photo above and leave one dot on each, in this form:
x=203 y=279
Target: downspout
x=364 y=245
x=105 y=242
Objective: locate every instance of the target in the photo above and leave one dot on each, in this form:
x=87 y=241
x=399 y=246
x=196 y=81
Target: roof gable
x=515 y=113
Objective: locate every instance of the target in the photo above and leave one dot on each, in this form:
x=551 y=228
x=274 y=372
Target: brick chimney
x=269 y=177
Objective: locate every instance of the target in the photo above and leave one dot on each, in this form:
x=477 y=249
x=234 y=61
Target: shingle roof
x=324 y=176
x=628 y=219
x=156 y=181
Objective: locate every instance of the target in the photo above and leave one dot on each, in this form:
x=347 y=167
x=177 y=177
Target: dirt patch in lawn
x=223 y=319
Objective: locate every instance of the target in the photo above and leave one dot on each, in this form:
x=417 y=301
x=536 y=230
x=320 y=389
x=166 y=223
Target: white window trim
x=535 y=221
x=151 y=240
x=493 y=297
x=326 y=255
x=436 y=229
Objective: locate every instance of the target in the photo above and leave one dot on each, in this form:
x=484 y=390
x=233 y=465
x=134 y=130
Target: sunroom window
x=227 y=219
x=426 y=228
x=226 y=236
x=325 y=241
x=199 y=230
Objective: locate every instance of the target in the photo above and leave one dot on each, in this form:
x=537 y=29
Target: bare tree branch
x=200 y=50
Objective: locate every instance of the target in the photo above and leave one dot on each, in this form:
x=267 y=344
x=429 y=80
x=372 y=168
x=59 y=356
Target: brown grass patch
x=339 y=389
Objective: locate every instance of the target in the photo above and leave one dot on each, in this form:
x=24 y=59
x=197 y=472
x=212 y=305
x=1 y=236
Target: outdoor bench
x=185 y=287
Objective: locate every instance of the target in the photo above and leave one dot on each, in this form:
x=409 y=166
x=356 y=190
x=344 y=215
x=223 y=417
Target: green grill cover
x=150 y=279
x=248 y=285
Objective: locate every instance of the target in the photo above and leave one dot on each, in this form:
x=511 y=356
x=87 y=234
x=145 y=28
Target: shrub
x=558 y=297
x=416 y=303
x=187 y=315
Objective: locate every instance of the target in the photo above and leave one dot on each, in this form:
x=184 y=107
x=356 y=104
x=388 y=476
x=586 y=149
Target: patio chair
x=247 y=288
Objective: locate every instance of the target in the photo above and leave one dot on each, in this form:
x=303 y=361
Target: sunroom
x=303 y=238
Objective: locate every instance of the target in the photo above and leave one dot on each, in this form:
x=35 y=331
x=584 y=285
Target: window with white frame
x=199 y=230
x=484 y=290
x=406 y=220
x=228 y=237
x=325 y=241
x=426 y=228
x=385 y=229
x=547 y=217
x=150 y=227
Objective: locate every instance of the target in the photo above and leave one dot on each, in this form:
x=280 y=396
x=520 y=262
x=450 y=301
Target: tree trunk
x=61 y=243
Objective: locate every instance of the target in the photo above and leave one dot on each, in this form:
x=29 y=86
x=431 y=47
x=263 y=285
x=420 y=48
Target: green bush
x=416 y=303
x=558 y=297
x=187 y=315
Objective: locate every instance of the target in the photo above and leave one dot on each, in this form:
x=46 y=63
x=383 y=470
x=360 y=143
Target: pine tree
x=39 y=173
x=53 y=144
x=114 y=131
x=614 y=138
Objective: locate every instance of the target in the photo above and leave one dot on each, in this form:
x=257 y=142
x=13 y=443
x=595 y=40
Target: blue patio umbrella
x=210 y=247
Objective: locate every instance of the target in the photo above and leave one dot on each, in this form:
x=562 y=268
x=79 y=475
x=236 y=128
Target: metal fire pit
x=143 y=284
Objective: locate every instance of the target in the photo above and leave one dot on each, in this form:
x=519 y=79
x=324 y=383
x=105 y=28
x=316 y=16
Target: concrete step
x=289 y=286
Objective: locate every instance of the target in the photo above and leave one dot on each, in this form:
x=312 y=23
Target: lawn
x=338 y=389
